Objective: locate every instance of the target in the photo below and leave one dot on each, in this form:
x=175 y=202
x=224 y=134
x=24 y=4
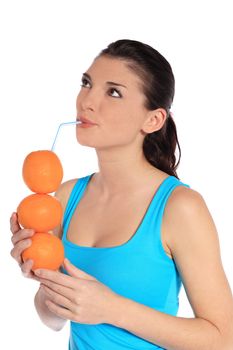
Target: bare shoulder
x=64 y=191
x=187 y=216
x=184 y=198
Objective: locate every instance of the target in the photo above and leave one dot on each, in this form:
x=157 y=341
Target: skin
x=122 y=124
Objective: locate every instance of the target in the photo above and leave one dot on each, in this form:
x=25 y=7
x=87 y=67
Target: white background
x=45 y=47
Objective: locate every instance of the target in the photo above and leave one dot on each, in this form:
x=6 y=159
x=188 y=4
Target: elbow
x=56 y=328
x=224 y=339
x=49 y=319
x=56 y=325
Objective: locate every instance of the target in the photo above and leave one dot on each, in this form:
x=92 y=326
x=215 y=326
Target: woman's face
x=117 y=110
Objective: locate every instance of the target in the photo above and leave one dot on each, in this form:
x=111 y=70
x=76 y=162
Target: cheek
x=123 y=129
x=122 y=121
x=125 y=124
x=117 y=117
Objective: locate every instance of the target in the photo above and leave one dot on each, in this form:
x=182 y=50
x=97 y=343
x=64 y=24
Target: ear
x=154 y=120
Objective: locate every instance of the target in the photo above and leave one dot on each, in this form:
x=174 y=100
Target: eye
x=118 y=92
x=84 y=81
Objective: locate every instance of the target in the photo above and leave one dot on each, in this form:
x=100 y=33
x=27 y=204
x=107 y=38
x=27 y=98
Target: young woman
x=133 y=232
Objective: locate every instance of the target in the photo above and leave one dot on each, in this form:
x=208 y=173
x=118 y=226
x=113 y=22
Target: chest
x=97 y=224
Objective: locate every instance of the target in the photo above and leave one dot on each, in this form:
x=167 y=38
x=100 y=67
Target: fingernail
x=28 y=242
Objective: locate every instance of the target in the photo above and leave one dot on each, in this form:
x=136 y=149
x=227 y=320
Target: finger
x=22 y=234
x=56 y=277
x=19 y=248
x=14 y=225
x=60 y=311
x=58 y=288
x=75 y=272
x=57 y=298
x=26 y=269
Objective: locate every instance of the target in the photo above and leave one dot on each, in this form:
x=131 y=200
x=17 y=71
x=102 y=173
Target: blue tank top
x=138 y=269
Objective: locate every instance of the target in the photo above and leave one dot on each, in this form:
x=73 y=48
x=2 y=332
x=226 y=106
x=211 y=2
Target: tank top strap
x=151 y=235
x=160 y=198
x=74 y=199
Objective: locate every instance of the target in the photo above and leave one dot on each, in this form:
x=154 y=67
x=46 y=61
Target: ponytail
x=159 y=147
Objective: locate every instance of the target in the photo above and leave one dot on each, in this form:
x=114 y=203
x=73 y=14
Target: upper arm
x=62 y=194
x=194 y=242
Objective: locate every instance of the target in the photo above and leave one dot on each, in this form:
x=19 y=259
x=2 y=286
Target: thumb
x=75 y=272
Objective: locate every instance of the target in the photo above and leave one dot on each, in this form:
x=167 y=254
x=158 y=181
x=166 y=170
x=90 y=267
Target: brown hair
x=158 y=86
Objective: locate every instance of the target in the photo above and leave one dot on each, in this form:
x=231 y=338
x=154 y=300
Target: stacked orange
x=42 y=173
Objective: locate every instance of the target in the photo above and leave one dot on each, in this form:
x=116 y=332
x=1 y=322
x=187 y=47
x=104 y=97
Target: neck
x=122 y=171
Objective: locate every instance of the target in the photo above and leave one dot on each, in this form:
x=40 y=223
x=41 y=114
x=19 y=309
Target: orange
x=41 y=212
x=42 y=171
x=46 y=251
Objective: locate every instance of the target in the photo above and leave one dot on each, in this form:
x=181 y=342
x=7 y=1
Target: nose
x=89 y=101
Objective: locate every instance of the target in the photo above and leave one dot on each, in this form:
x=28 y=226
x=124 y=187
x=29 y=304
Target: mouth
x=85 y=121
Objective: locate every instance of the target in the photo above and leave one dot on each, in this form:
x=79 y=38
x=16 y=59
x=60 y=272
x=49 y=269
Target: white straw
x=67 y=123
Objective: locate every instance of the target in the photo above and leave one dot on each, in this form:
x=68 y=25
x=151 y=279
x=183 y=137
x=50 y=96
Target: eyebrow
x=107 y=82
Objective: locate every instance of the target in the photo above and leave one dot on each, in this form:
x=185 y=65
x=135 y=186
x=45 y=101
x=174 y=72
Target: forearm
x=47 y=317
x=169 y=332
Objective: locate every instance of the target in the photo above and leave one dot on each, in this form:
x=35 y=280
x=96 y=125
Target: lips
x=85 y=120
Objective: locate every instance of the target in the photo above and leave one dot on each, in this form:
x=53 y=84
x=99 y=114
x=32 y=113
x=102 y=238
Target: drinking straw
x=62 y=124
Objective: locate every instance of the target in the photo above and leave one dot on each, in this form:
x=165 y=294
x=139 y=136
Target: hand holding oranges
x=42 y=173
x=21 y=239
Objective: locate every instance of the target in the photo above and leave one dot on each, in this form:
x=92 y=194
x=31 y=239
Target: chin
x=85 y=142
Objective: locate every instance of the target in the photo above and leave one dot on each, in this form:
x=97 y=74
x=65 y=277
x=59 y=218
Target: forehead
x=114 y=69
